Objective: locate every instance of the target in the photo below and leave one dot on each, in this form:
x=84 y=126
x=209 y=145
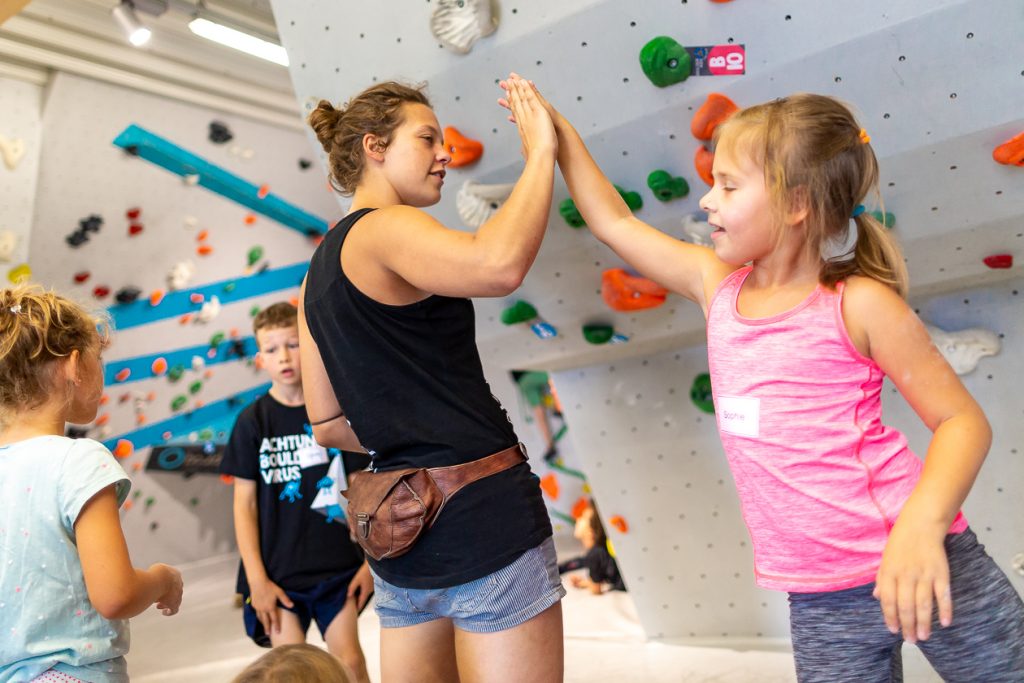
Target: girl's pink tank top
x=821 y=480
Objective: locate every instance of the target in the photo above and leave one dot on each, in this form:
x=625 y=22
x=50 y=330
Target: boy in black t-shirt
x=298 y=562
x=602 y=571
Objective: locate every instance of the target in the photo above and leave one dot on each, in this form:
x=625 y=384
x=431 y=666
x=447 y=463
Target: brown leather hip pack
x=388 y=511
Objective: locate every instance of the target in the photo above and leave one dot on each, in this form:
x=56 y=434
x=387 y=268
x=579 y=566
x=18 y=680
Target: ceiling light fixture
x=239 y=40
x=124 y=15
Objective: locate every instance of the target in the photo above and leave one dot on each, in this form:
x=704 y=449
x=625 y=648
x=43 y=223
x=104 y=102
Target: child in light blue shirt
x=67 y=586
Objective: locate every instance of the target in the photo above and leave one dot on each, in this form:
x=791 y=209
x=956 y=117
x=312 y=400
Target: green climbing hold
x=666 y=187
x=206 y=434
x=193 y=502
x=175 y=373
x=216 y=340
x=888 y=219
x=700 y=393
x=179 y=402
x=254 y=255
x=633 y=199
x=665 y=61
x=150 y=501
x=230 y=287
x=519 y=312
x=254 y=311
x=570 y=213
x=195 y=387
x=598 y=334
x=136 y=494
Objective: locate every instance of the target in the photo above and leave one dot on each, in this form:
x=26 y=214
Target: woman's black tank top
x=411 y=384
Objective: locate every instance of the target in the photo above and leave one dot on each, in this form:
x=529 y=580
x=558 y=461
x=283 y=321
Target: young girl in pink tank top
x=841 y=513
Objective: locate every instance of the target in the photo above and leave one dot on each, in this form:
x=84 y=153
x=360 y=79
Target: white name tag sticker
x=311 y=455
x=740 y=416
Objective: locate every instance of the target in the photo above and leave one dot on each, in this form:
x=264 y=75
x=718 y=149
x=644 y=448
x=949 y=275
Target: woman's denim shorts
x=496 y=602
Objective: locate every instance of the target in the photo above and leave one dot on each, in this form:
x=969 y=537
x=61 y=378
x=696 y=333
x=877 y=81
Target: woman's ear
x=373 y=147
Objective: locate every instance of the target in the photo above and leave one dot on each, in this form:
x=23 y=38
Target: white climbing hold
x=209 y=311
x=190 y=179
x=460 y=23
x=8 y=243
x=964 y=348
x=696 y=230
x=180 y=274
x=12 y=150
x=477 y=202
x=198 y=363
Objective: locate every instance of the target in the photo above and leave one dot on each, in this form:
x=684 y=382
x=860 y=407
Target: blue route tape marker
x=164 y=153
x=152 y=435
x=141 y=367
x=175 y=304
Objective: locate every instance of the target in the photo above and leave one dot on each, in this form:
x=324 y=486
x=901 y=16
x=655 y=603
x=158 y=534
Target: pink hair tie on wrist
x=864 y=137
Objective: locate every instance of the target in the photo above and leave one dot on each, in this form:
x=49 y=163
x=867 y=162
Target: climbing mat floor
x=205 y=643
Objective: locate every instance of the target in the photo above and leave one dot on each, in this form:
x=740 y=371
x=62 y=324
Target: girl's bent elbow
x=113 y=607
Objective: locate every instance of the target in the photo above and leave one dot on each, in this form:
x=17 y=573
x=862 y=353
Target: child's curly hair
x=38 y=328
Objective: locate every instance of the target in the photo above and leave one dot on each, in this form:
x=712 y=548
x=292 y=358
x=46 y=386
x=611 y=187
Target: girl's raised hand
x=531 y=117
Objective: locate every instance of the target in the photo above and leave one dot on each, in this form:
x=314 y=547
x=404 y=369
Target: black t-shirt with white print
x=301 y=547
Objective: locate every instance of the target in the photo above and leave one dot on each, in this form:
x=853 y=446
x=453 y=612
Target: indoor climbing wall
x=20 y=128
x=181 y=214
x=936 y=84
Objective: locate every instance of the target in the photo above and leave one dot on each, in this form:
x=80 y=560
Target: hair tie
x=16 y=309
x=864 y=137
x=858 y=210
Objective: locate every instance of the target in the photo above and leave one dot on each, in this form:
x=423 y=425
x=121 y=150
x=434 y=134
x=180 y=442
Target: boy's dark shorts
x=320 y=602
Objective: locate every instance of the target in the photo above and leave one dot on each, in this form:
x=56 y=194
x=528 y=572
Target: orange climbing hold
x=127 y=505
x=140 y=419
x=203 y=234
x=156 y=297
x=227 y=479
x=204 y=250
x=263 y=191
x=619 y=523
x=716 y=109
x=1010 y=152
x=625 y=292
x=123 y=375
x=549 y=485
x=159 y=366
x=196 y=298
x=102 y=419
x=250 y=219
x=104 y=400
x=579 y=507
x=702 y=161
x=185 y=319
x=124 y=448
x=464 y=150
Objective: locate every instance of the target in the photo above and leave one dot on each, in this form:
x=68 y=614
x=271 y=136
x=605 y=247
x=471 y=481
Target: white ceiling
x=80 y=36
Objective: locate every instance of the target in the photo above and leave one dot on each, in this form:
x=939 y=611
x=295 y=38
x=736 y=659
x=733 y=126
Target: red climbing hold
x=579 y=507
x=619 y=523
x=625 y=292
x=82 y=276
x=999 y=261
x=464 y=150
x=227 y=479
x=133 y=212
x=702 y=161
x=1010 y=152
x=716 y=109
x=196 y=298
x=134 y=229
x=100 y=291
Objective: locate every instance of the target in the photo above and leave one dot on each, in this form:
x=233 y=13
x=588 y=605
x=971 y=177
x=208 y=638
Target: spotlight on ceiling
x=124 y=15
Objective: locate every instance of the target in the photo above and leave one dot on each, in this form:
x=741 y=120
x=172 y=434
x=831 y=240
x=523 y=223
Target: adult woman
x=387 y=333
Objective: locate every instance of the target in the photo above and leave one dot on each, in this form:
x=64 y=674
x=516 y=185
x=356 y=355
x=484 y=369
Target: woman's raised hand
x=531 y=115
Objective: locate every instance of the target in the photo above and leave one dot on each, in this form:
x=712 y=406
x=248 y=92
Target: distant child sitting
x=297 y=663
x=292 y=556
x=602 y=571
x=67 y=581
